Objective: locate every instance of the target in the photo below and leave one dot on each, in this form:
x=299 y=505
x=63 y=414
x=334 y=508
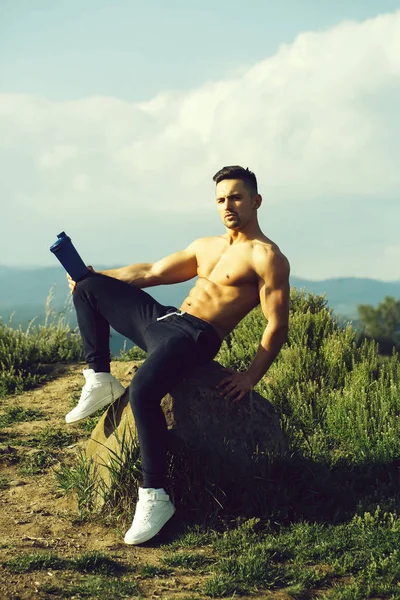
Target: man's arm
x=274 y=291
x=273 y=272
x=174 y=268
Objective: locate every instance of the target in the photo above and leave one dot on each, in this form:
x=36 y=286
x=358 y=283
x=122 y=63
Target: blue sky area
x=133 y=50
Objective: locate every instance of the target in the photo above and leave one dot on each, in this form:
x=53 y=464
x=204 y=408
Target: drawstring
x=171 y=313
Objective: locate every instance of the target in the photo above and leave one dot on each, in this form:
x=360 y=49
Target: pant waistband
x=176 y=312
x=199 y=323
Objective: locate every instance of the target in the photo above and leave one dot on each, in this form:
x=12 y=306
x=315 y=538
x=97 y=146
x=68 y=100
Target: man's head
x=237 y=196
x=236 y=172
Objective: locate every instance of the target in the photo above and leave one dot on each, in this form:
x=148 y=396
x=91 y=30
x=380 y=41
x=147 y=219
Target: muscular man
x=236 y=271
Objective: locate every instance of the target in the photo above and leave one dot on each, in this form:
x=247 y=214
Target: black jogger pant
x=175 y=345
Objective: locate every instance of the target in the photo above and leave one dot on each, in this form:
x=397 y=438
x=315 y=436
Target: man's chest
x=231 y=266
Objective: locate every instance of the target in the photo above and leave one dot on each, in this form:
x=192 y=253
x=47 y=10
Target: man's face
x=235 y=203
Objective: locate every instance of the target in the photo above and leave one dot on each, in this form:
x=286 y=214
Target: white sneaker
x=153 y=510
x=99 y=390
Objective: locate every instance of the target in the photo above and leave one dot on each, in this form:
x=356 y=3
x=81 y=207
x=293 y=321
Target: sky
x=115 y=115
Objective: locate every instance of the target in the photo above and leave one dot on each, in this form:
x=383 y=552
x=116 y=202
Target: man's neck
x=250 y=232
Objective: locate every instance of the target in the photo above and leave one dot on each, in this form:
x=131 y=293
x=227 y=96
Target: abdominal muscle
x=223 y=306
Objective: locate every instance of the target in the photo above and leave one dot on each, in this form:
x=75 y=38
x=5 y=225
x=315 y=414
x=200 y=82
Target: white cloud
x=317 y=120
x=81 y=183
x=57 y=156
x=393 y=252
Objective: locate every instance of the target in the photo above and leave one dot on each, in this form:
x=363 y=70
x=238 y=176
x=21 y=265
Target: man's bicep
x=275 y=305
x=177 y=267
x=274 y=290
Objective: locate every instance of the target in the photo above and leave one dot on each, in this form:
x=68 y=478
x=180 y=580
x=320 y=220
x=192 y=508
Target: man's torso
x=227 y=287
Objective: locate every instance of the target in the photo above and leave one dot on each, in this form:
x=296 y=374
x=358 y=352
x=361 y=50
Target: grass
x=24 y=354
x=89 y=562
x=80 y=481
x=193 y=537
x=50 y=437
x=90 y=423
x=151 y=571
x=359 y=559
x=191 y=597
x=46 y=445
x=117 y=495
x=34 y=562
x=96 y=562
x=94 y=587
x=36 y=463
x=102 y=575
x=8 y=436
x=189 y=561
x=9 y=455
x=4 y=482
x=19 y=414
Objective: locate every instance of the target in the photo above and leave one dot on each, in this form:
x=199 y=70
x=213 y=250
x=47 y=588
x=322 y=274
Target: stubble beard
x=232 y=222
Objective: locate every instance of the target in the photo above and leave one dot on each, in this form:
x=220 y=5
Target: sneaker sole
x=100 y=404
x=150 y=534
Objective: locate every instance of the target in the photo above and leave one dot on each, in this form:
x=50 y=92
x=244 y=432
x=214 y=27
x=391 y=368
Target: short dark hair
x=237 y=172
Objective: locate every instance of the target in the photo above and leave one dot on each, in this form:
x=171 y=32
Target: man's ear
x=257 y=201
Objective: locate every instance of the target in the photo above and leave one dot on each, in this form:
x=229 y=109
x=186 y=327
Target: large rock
x=200 y=420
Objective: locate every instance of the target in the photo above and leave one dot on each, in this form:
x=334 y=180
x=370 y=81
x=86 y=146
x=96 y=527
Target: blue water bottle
x=66 y=253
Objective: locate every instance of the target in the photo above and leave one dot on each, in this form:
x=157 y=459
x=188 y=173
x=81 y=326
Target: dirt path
x=35 y=516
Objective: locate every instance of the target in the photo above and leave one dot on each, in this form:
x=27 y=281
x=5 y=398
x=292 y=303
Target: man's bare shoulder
x=204 y=242
x=269 y=261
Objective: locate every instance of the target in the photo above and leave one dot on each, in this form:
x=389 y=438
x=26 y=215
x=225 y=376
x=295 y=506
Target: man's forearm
x=139 y=275
x=269 y=348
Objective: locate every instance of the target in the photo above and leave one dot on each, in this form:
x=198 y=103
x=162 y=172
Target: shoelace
x=145 y=509
x=87 y=388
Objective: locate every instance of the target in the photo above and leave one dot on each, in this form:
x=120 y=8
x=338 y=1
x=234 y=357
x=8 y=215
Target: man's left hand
x=236 y=385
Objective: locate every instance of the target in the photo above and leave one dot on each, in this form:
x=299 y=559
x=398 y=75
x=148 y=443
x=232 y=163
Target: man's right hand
x=72 y=283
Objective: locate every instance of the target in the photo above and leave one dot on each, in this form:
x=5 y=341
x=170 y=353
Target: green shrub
x=337 y=399
x=23 y=353
x=135 y=353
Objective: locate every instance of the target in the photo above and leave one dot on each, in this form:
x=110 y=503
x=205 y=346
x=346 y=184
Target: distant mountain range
x=23 y=294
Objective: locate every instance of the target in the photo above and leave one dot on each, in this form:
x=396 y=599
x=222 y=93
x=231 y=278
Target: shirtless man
x=236 y=271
